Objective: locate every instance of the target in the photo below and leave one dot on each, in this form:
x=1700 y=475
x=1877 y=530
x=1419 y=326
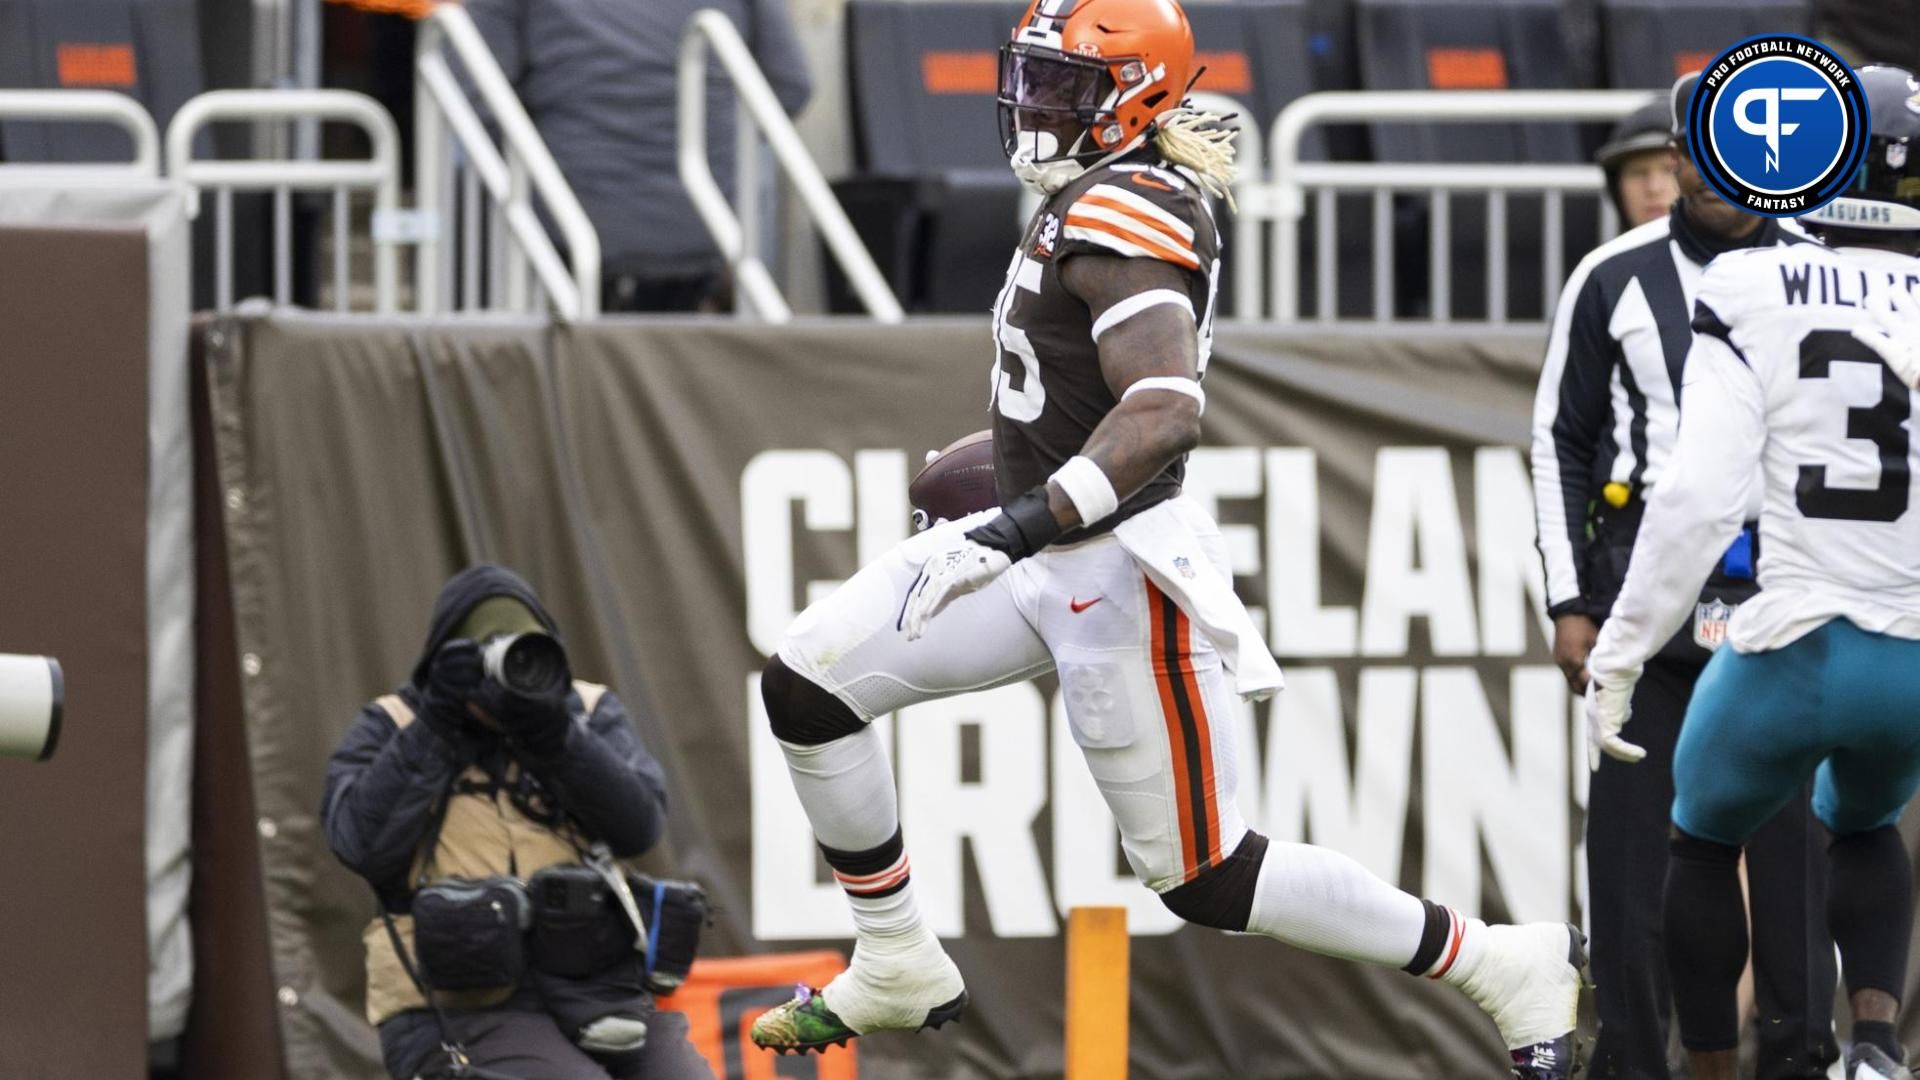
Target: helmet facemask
x=1056 y=114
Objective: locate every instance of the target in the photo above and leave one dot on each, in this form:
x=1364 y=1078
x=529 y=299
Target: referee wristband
x=1087 y=488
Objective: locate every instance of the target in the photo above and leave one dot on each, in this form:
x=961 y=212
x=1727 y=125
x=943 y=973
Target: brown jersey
x=1048 y=390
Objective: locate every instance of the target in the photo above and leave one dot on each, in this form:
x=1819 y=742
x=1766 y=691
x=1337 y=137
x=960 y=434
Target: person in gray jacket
x=598 y=79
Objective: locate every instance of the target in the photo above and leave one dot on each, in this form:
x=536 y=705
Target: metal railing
x=378 y=173
x=91 y=106
x=509 y=175
x=1282 y=198
x=737 y=234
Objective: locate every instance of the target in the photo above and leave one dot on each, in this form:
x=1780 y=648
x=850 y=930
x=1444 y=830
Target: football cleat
x=883 y=989
x=1866 y=1061
x=1548 y=1060
x=1528 y=980
x=801 y=1025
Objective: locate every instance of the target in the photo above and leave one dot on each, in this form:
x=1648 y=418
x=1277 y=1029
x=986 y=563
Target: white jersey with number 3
x=1778 y=392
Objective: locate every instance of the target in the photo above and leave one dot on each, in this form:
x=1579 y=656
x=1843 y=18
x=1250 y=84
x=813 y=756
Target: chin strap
x=1201 y=142
x=1047 y=177
x=1043 y=178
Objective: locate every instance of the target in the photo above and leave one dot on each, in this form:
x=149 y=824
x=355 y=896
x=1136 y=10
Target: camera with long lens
x=33 y=694
x=531 y=664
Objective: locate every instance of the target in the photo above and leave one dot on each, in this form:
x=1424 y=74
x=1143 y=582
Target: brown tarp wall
x=624 y=468
x=73 y=547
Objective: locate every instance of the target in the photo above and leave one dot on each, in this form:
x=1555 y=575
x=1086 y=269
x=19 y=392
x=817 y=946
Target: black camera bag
x=471 y=934
x=578 y=926
x=676 y=913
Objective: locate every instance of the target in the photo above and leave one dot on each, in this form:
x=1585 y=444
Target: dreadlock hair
x=1201 y=141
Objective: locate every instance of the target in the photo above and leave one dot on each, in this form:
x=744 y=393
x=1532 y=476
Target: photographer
x=482 y=801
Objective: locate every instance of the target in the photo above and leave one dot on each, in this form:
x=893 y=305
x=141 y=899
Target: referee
x=1604 y=423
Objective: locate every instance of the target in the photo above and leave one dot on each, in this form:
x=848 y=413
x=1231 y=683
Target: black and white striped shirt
x=1608 y=405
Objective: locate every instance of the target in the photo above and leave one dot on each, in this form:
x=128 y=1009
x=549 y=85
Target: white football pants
x=1146 y=695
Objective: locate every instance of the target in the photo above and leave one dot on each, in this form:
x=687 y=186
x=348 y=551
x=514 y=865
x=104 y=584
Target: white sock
x=886 y=918
x=846 y=788
x=1317 y=899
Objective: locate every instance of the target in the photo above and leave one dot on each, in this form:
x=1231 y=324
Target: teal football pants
x=1840 y=700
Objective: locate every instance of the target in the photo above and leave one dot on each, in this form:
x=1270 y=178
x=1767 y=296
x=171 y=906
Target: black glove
x=454 y=679
x=1025 y=525
x=536 y=722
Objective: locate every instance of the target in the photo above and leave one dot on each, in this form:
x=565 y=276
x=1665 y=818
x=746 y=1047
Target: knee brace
x=800 y=712
x=1222 y=896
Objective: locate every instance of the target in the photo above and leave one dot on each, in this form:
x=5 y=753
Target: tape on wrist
x=1178 y=384
x=1087 y=488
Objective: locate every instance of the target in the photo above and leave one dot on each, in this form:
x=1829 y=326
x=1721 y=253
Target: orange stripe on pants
x=1204 y=724
x=1188 y=737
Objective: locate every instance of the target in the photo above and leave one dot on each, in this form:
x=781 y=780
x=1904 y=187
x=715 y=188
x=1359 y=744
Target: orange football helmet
x=1085 y=79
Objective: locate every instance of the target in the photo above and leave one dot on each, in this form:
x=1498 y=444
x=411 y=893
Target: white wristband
x=1087 y=488
x=1176 y=383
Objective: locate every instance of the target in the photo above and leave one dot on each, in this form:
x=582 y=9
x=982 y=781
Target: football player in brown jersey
x=1097 y=567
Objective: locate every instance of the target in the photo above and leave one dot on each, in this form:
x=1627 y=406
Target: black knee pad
x=1683 y=845
x=1222 y=896
x=800 y=712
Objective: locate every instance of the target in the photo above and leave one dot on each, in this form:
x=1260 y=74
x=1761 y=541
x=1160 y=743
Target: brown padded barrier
x=233 y=1030
x=375 y=457
x=419 y=449
x=73 y=506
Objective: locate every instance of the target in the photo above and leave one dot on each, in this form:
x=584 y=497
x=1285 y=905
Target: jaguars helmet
x=1082 y=81
x=1884 y=194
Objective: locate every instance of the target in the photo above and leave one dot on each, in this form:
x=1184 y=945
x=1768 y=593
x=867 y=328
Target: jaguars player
x=1799 y=382
x=1098 y=568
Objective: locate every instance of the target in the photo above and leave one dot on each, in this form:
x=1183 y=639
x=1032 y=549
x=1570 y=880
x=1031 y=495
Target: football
x=956 y=481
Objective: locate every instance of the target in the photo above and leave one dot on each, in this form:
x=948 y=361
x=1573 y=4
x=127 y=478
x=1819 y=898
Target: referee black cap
x=1645 y=128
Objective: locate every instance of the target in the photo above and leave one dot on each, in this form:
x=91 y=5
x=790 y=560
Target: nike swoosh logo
x=1079 y=607
x=1146 y=181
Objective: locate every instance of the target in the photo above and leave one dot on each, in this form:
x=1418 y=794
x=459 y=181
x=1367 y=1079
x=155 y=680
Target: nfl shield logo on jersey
x=1710 y=623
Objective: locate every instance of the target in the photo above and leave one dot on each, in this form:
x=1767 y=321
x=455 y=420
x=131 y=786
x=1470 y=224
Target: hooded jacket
x=392 y=779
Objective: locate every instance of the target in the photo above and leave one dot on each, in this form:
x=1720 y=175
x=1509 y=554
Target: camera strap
x=596 y=853
x=600 y=857
x=459 y=1065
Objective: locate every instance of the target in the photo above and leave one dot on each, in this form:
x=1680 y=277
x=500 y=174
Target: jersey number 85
x=1018 y=392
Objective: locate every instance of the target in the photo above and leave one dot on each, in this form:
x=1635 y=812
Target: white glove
x=1895 y=335
x=1608 y=709
x=954 y=571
